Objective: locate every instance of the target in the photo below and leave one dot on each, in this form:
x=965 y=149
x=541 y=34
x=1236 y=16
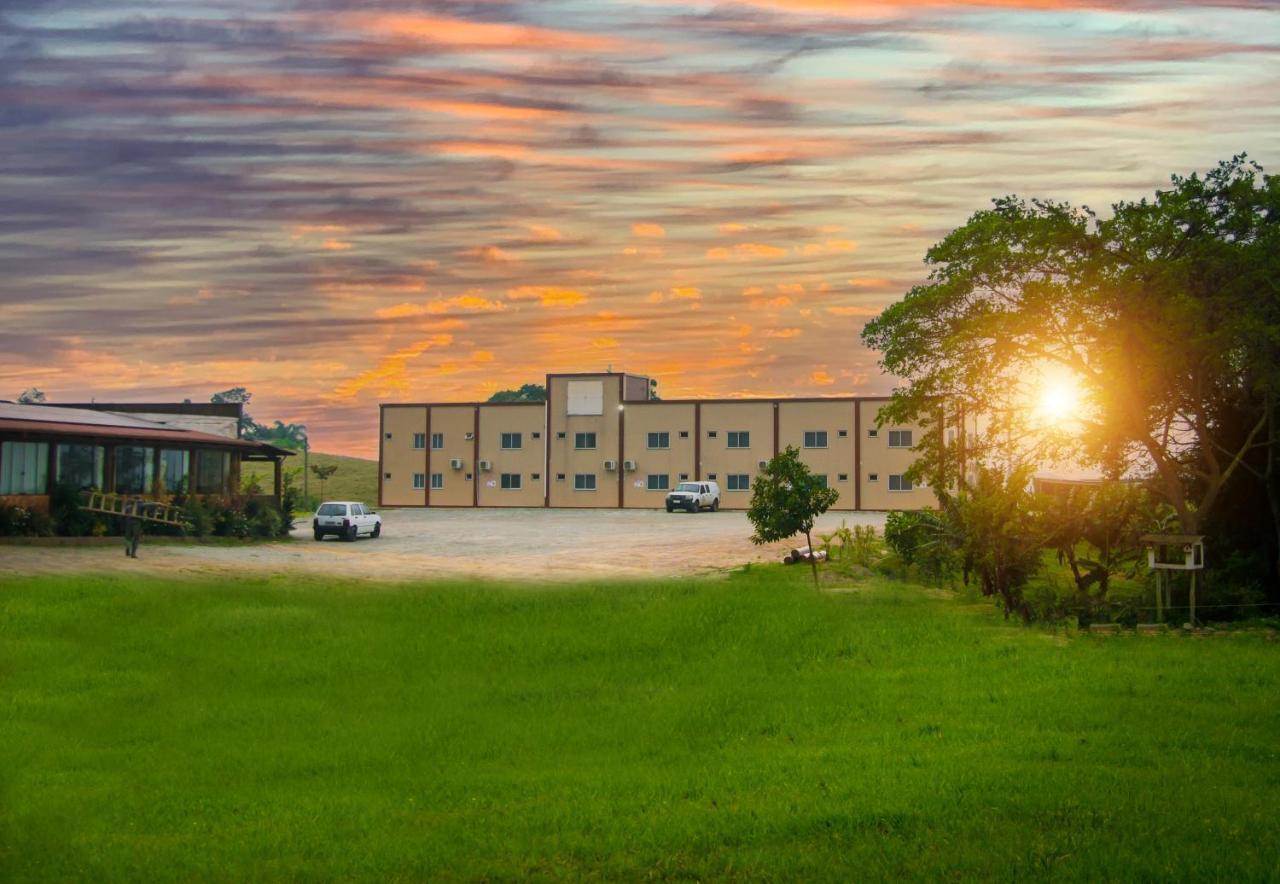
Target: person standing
x=132 y=527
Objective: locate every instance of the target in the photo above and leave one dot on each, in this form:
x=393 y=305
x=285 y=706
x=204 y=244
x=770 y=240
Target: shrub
x=69 y=520
x=265 y=523
x=197 y=515
x=18 y=521
x=922 y=538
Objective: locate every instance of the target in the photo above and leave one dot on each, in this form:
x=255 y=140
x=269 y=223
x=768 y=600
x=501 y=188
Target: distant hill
x=356 y=478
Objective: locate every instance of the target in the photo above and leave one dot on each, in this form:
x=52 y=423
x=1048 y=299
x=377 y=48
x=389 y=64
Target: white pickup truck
x=694 y=496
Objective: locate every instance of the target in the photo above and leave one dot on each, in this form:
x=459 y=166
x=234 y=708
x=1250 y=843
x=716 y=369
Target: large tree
x=526 y=393
x=1160 y=313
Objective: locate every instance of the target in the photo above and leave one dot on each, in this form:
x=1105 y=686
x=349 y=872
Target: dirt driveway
x=537 y=544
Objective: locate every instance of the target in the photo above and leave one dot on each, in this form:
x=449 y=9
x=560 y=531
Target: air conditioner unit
x=629 y=466
x=469 y=436
x=610 y=465
x=486 y=465
x=763 y=464
x=455 y=464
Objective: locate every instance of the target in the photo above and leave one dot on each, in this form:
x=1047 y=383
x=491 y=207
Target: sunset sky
x=338 y=203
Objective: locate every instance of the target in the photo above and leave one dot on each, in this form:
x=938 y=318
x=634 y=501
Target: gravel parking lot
x=535 y=544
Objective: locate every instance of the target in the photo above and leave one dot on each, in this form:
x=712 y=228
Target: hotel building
x=600 y=440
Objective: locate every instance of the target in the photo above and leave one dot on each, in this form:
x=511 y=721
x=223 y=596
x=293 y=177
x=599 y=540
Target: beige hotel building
x=600 y=441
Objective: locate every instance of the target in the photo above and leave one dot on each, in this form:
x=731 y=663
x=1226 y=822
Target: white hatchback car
x=347 y=519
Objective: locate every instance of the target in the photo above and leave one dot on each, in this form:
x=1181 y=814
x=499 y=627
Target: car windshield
x=688 y=486
x=332 y=509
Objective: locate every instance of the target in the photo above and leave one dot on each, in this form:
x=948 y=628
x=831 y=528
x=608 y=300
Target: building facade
x=90 y=448
x=599 y=440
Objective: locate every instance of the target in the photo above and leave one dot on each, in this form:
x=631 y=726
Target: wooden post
x=1193 y=599
x=279 y=481
x=1159 y=593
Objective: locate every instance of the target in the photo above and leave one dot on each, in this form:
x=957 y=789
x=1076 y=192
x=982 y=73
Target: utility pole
x=306 y=467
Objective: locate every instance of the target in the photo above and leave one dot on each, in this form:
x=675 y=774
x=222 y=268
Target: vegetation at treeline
x=749 y=728
x=1164 y=315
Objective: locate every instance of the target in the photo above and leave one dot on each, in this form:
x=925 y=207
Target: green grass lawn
x=261 y=729
x=356 y=478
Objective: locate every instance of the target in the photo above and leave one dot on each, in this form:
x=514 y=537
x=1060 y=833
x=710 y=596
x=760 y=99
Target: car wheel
x=715 y=505
x=670 y=508
x=693 y=507
x=377 y=531
x=351 y=534
x=319 y=535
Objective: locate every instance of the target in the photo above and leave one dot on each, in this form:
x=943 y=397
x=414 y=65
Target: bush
x=18 y=521
x=266 y=523
x=68 y=519
x=197 y=515
x=921 y=538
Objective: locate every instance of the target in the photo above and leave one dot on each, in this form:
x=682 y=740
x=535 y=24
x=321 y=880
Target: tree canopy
x=1162 y=314
x=786 y=499
x=526 y=393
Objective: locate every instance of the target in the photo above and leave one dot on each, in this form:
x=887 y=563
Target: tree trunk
x=813 y=561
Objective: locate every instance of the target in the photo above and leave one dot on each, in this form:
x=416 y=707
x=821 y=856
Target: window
x=24 y=467
x=584 y=482
x=842 y=477
x=419 y=481
x=871 y=434
x=684 y=434
x=815 y=438
x=437 y=441
x=512 y=440
x=388 y=435
x=873 y=477
x=711 y=477
x=134 y=469
x=511 y=481
x=80 y=467
x=535 y=477
x=899 y=438
x=898 y=483
x=842 y=433
x=684 y=476
x=212 y=471
x=332 y=509
x=559 y=477
x=821 y=480
x=468 y=477
x=659 y=440
x=584 y=440
x=739 y=439
x=739 y=482
x=535 y=434
x=419 y=440
x=559 y=435
x=656 y=482
x=386 y=475
x=175 y=467
x=711 y=434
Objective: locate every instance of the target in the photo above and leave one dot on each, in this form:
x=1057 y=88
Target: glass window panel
x=134 y=469
x=24 y=468
x=80 y=466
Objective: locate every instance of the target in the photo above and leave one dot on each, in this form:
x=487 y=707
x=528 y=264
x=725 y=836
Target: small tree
x=31 y=396
x=786 y=499
x=322 y=473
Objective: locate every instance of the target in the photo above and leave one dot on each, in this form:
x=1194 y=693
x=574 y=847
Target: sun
x=1059 y=401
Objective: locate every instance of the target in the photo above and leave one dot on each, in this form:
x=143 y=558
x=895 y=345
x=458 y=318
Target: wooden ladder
x=123 y=506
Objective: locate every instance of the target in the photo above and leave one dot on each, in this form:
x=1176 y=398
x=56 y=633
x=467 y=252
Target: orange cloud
x=853 y=311
x=782 y=333
x=650 y=230
x=460 y=304
x=831 y=246
x=481 y=149
x=390 y=375
x=473 y=35
x=686 y=293
x=548 y=296
x=821 y=378
x=543 y=233
x=489 y=255
x=604 y=343
x=746 y=251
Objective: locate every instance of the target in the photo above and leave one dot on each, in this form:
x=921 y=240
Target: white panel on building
x=586 y=397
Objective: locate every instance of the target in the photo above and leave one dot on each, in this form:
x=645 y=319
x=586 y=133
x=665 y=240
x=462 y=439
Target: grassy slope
x=356 y=478
x=262 y=728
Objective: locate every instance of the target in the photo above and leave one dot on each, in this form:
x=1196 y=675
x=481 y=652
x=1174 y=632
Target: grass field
x=749 y=728
x=356 y=478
